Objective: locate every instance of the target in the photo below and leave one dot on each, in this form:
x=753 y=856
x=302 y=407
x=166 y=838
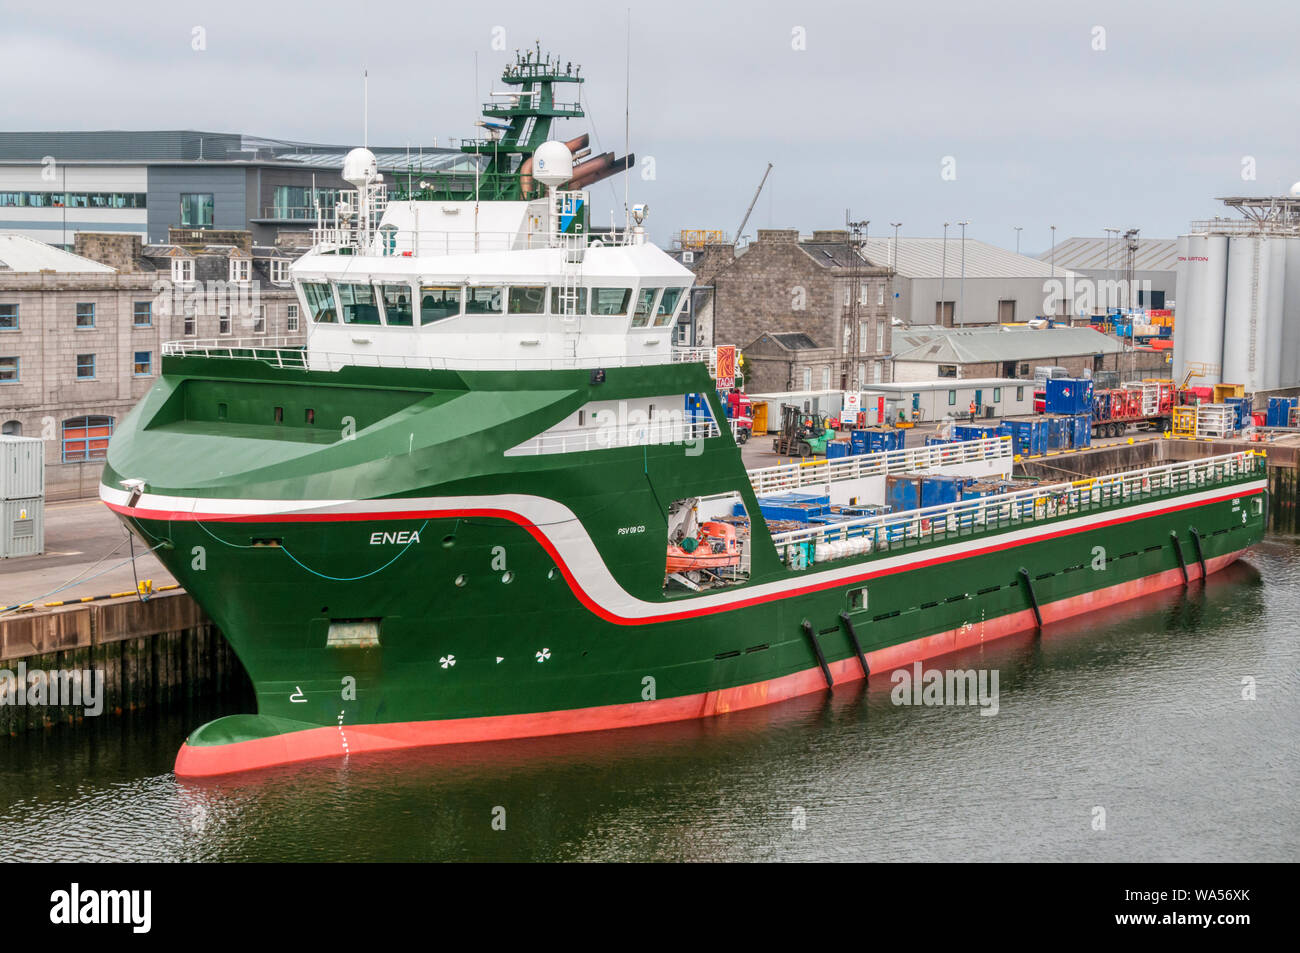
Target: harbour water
x=1120 y=736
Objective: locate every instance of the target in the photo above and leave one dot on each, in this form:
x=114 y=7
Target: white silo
x=1243 y=326
x=1289 y=375
x=1272 y=293
x=1198 y=321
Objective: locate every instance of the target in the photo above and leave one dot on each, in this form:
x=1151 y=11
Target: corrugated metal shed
x=924 y=258
x=21 y=254
x=1089 y=254
x=984 y=345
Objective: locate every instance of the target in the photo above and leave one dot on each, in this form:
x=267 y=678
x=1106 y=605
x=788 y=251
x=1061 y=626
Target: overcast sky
x=1081 y=115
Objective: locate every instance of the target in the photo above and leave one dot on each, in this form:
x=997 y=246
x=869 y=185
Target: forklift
x=802 y=435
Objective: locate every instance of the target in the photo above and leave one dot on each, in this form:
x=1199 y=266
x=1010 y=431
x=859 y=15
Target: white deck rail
x=899 y=530
x=815 y=473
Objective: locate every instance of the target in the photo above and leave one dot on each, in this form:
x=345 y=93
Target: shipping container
x=1082 y=436
x=858 y=441
x=22 y=467
x=1243 y=405
x=880 y=439
x=836 y=449
x=940 y=488
x=1060 y=430
x=22 y=527
x=1068 y=395
x=903 y=491
x=1281 y=411
x=1028 y=436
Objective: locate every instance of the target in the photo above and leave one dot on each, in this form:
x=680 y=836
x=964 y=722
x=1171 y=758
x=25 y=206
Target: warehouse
x=932 y=353
x=921 y=401
x=1000 y=286
x=1102 y=266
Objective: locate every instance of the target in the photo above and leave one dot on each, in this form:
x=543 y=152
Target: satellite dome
x=552 y=163
x=360 y=168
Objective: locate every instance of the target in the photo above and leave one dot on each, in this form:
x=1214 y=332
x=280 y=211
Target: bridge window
x=645 y=303
x=320 y=302
x=578 y=307
x=86 y=438
x=357 y=304
x=610 y=302
x=527 y=300
x=397 y=306
x=667 y=306
x=438 y=302
x=484 y=300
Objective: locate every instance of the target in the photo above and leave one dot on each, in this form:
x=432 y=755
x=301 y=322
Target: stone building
x=81 y=339
x=805 y=311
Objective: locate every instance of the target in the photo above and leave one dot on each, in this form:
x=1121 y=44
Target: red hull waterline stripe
x=325 y=742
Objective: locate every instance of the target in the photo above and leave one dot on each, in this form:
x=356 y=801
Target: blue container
x=838 y=448
x=1068 y=395
x=1243 y=406
x=1028 y=435
x=975 y=431
x=1101 y=405
x=858 y=439
x=934 y=440
x=1279 y=411
x=1059 y=432
x=903 y=492
x=1082 y=431
x=697 y=408
x=941 y=488
x=880 y=439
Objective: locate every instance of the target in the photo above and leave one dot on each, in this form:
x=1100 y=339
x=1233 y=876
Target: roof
x=1093 y=254
x=794 y=340
x=21 y=254
x=928 y=258
x=984 y=345
x=943 y=383
x=833 y=254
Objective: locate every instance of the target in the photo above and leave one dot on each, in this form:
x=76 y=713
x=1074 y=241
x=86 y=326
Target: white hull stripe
x=580 y=557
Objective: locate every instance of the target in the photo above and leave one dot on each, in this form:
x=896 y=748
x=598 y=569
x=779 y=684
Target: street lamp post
x=1017 y=228
x=893 y=259
x=943 y=274
x=961 y=295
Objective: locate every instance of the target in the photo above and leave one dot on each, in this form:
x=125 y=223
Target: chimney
x=110 y=248
x=778 y=235
x=830 y=235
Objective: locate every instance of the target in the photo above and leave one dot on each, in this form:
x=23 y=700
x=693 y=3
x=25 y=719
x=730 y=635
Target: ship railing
x=697 y=355
x=276 y=351
x=287 y=353
x=814 y=473
x=439 y=243
x=665 y=431
x=949 y=521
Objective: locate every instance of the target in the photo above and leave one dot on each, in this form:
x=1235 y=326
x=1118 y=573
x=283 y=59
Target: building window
x=85 y=314
x=291 y=318
x=862 y=293
x=86 y=438
x=997 y=395
x=279 y=271
x=877 y=368
x=1024 y=368
x=807 y=378
x=952 y=398
x=8 y=317
x=85 y=367
x=947 y=370
x=826 y=378
x=143 y=363
x=880 y=338
x=188 y=329
x=880 y=294
x=1020 y=393
x=259 y=320
x=196 y=210
x=143 y=314
x=223 y=322
x=183 y=270
x=241 y=269
x=12 y=428
x=9 y=370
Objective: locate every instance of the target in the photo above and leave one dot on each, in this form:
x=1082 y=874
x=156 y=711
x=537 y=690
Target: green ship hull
x=390 y=576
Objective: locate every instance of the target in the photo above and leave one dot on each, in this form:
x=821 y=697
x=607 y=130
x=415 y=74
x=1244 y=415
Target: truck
x=740 y=411
x=1147 y=404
